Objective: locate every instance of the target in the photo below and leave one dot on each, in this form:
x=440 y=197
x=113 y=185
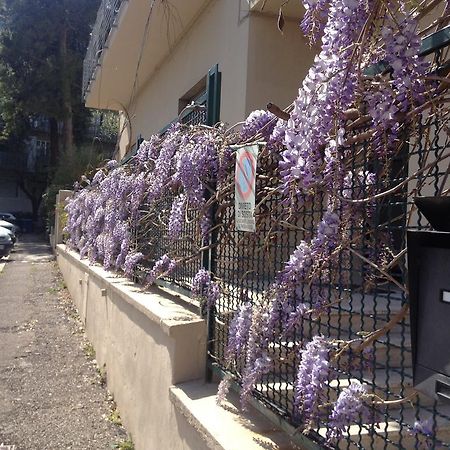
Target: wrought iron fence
x=247 y=263
x=106 y=19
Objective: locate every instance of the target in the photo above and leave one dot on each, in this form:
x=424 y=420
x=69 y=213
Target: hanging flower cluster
x=258 y=122
x=353 y=39
x=312 y=376
x=204 y=289
x=103 y=213
x=164 y=266
x=100 y=215
x=328 y=89
x=349 y=408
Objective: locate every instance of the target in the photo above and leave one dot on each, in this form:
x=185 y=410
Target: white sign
x=244 y=191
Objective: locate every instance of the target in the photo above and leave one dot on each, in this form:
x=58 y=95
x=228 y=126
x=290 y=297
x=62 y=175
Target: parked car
x=10 y=226
x=6 y=243
x=10 y=233
x=8 y=217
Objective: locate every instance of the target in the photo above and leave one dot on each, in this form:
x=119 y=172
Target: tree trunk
x=54 y=142
x=35 y=197
x=66 y=95
x=35 y=204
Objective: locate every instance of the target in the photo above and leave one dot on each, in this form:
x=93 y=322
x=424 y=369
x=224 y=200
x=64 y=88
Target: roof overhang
x=144 y=35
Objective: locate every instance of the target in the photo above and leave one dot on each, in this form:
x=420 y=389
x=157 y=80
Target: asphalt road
x=51 y=396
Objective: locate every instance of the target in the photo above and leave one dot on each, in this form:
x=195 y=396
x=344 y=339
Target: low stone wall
x=148 y=342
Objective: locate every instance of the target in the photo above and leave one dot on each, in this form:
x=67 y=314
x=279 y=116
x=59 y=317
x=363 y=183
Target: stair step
x=387 y=388
x=390 y=434
x=393 y=350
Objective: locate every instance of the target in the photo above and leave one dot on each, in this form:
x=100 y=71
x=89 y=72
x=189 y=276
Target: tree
x=42 y=46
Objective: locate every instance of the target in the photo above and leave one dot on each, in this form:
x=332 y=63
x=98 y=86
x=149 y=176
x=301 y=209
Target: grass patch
x=127 y=444
x=101 y=372
x=114 y=417
x=89 y=350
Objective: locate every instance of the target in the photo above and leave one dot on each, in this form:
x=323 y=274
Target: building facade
x=149 y=60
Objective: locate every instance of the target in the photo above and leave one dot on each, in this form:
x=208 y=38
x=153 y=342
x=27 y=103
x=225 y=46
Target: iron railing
x=106 y=19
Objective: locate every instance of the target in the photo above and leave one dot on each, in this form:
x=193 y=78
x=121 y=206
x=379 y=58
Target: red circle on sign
x=246 y=187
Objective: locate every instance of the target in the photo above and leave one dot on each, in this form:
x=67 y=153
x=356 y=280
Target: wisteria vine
x=341 y=103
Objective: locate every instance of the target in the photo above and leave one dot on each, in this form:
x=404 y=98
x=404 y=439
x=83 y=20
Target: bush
x=71 y=167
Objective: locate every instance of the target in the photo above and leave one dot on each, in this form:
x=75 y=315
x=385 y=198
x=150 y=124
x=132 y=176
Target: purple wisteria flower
x=349 y=408
x=294 y=318
x=257 y=360
x=315 y=18
x=176 y=218
x=253 y=373
x=223 y=389
x=311 y=379
x=164 y=266
x=259 y=121
x=196 y=164
x=98 y=177
x=131 y=261
x=328 y=88
x=406 y=86
x=239 y=331
x=113 y=164
x=424 y=427
x=204 y=289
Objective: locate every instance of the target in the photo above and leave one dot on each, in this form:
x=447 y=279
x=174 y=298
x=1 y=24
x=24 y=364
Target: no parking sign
x=244 y=180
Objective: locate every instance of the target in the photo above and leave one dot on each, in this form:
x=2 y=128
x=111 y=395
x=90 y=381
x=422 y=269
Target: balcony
x=107 y=16
x=129 y=41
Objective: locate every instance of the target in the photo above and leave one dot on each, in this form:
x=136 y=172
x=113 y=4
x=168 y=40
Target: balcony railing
x=106 y=20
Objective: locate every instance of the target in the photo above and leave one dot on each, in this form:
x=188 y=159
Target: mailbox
x=429 y=289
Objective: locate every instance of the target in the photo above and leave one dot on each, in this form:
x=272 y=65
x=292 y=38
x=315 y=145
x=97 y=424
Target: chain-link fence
x=359 y=298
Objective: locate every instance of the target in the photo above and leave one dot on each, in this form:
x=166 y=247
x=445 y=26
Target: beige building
x=149 y=59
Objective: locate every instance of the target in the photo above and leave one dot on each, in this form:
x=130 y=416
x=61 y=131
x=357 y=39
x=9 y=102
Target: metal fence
x=247 y=263
x=106 y=19
x=153 y=241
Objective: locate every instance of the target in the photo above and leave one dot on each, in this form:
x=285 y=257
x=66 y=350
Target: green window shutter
x=213 y=86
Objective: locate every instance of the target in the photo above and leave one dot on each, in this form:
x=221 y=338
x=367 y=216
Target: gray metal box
x=429 y=289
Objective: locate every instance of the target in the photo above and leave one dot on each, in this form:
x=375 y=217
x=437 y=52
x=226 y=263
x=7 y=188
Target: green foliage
x=114 y=417
x=31 y=68
x=89 y=350
x=125 y=445
x=42 y=47
x=70 y=169
x=106 y=125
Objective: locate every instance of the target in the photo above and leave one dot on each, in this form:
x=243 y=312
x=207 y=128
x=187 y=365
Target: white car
x=9 y=226
x=6 y=243
x=10 y=234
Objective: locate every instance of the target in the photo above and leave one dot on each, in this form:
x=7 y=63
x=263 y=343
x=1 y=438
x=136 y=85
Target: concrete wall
x=277 y=62
x=147 y=343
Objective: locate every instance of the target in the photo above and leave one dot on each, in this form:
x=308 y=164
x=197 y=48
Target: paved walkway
x=51 y=396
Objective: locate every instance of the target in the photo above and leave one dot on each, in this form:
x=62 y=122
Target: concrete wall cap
x=157 y=304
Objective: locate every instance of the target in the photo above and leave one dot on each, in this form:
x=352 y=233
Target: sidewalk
x=51 y=395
